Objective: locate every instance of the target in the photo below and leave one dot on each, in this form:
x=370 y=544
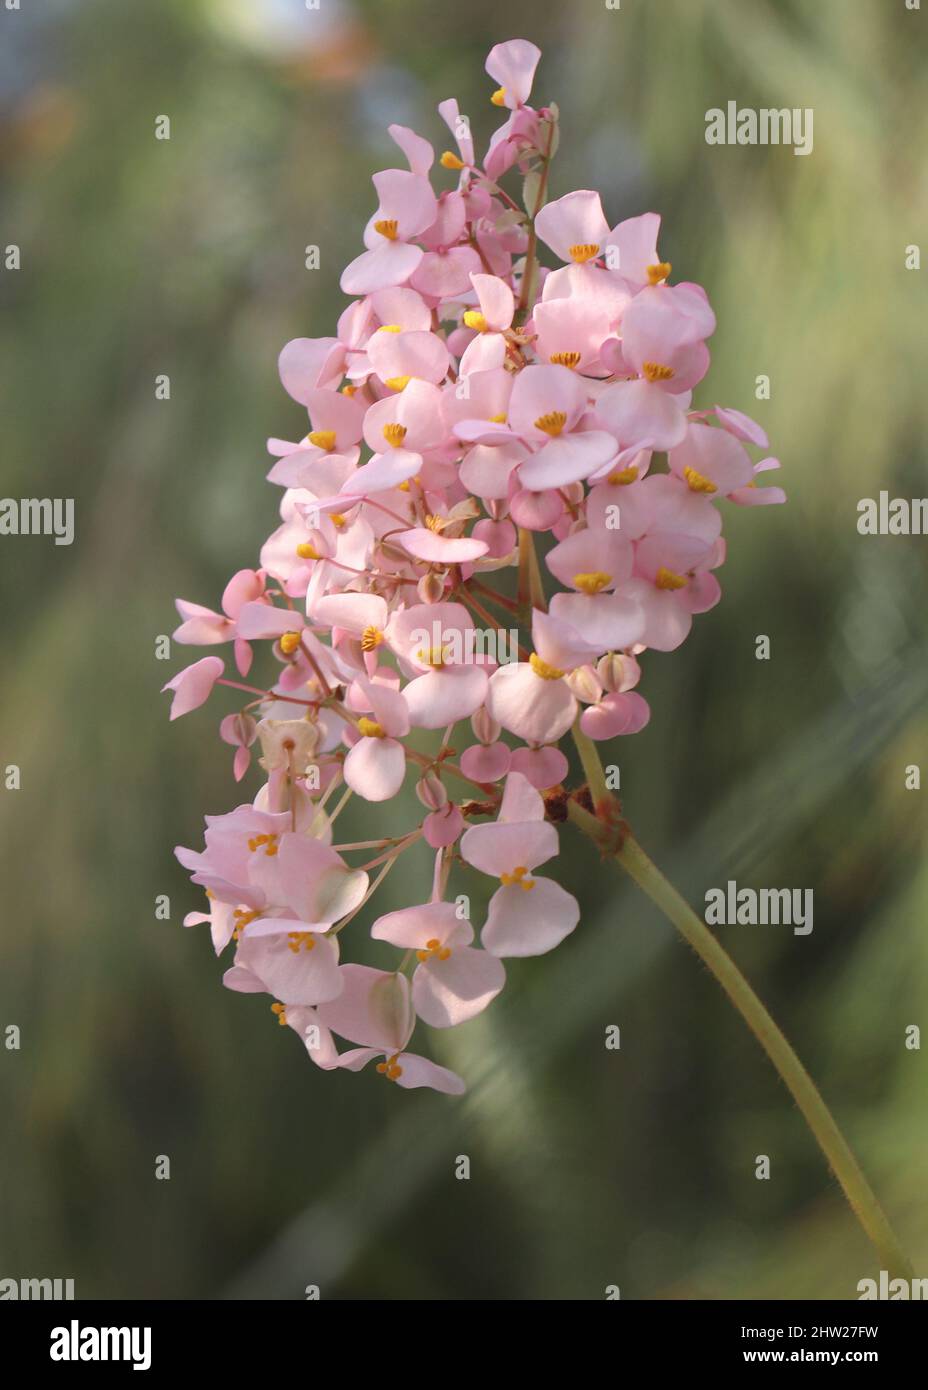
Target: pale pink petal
x=529 y=922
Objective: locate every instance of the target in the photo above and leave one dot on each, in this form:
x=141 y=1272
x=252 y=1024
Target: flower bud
x=238 y=729
x=431 y=587
x=584 y=685
x=618 y=673
x=431 y=791
x=391 y=1010
x=485 y=727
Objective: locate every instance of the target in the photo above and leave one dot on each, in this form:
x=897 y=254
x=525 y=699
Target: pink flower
x=452 y=981
x=194 y=684
x=527 y=915
x=407 y=207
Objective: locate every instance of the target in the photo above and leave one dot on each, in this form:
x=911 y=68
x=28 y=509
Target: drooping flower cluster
x=496 y=400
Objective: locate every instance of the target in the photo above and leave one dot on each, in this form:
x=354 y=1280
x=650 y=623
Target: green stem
x=632 y=858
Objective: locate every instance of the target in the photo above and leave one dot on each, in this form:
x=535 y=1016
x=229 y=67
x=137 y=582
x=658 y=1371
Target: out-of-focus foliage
x=186 y=257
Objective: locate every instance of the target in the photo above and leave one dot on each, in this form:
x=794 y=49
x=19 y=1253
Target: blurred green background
x=589 y=1167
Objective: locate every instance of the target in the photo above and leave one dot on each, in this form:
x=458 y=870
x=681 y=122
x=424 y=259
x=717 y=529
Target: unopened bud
x=486 y=730
x=391 y=1010
x=239 y=730
x=431 y=792
x=431 y=587
x=618 y=672
x=584 y=685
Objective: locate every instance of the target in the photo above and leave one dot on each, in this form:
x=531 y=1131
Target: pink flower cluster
x=497 y=400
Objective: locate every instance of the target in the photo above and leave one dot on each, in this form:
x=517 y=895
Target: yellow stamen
x=499 y=97
x=666 y=579
x=623 y=476
x=552 y=423
x=242 y=920
x=592 y=583
x=403 y=486
x=436 y=523
x=434 y=949
x=656 y=371
x=697 y=483
x=386 y=226
x=659 y=272
x=266 y=842
x=371 y=638
x=394 y=435
x=390 y=328
x=349 y=390
x=451 y=161
x=431 y=656
x=517 y=879
x=542 y=669
x=565 y=359
x=279 y=1010
x=338 y=520
x=390 y=1068
x=300 y=940
x=322 y=439
x=398 y=383
x=370 y=728
x=475 y=320
x=307 y=551
x=497 y=419
x=289 y=643
x=584 y=251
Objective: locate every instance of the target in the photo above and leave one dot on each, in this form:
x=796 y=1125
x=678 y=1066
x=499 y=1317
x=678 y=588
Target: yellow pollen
x=371 y=638
x=349 y=390
x=279 y=1010
x=307 y=551
x=499 y=97
x=431 y=656
x=497 y=419
x=659 y=272
x=666 y=579
x=370 y=728
x=390 y=1068
x=656 y=371
x=552 y=423
x=242 y=919
x=266 y=842
x=584 y=251
x=398 y=383
x=434 y=949
x=289 y=643
x=322 y=439
x=623 y=476
x=300 y=940
x=390 y=328
x=592 y=583
x=451 y=161
x=565 y=359
x=403 y=486
x=697 y=483
x=475 y=320
x=517 y=879
x=394 y=435
x=542 y=669
x=338 y=520
x=386 y=226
